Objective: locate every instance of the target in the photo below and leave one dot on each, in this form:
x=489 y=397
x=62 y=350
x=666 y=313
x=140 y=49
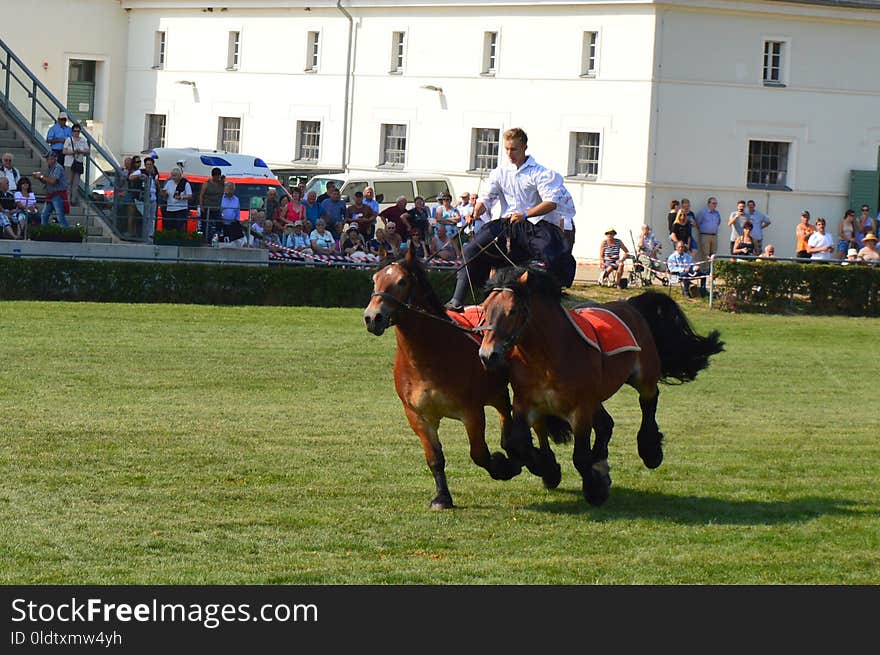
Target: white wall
x=90 y=29
x=672 y=123
x=712 y=101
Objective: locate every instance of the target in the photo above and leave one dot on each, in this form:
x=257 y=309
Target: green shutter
x=81 y=93
x=864 y=189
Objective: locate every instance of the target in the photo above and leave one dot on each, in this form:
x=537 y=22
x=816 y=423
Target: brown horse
x=554 y=372
x=437 y=371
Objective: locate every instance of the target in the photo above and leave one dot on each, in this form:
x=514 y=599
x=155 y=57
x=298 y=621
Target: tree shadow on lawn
x=697 y=510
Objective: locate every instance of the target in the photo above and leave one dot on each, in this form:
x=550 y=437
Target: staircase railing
x=34 y=109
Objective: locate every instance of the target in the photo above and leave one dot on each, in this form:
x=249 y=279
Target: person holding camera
x=735 y=222
x=75 y=149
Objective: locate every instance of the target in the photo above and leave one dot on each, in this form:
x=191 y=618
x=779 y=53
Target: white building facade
x=634 y=102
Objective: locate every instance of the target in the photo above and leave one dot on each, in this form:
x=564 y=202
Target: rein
x=418 y=310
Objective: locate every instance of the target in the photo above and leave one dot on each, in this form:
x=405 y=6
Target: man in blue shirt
x=333 y=211
x=681 y=263
x=56 y=135
x=708 y=220
x=230 y=213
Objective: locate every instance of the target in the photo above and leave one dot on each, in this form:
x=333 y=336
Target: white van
x=386 y=187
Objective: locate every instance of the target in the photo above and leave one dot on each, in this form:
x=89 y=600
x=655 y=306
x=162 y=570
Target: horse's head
x=506 y=314
x=397 y=286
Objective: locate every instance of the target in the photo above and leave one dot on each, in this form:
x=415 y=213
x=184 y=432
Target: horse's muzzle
x=376 y=321
x=492 y=358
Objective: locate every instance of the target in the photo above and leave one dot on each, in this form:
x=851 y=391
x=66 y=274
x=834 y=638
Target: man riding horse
x=529 y=228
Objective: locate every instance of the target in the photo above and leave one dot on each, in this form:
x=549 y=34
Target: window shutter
x=864 y=189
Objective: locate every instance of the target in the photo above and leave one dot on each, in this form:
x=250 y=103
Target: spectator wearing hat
x=354 y=242
x=295 y=237
x=610 y=257
x=56 y=189
x=869 y=252
x=803 y=231
x=58 y=134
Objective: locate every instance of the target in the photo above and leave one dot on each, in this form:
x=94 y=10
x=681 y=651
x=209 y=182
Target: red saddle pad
x=469 y=318
x=603 y=330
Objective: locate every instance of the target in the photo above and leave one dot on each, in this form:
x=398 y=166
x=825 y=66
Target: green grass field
x=170 y=444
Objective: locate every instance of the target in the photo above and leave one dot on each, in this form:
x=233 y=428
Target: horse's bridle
x=407 y=305
x=514 y=336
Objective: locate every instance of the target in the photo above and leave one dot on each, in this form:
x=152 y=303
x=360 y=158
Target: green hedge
x=56 y=232
x=208 y=284
x=789 y=286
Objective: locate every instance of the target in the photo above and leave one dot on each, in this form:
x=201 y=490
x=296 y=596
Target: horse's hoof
x=552 y=479
x=442 y=502
x=502 y=468
x=597 y=487
x=653 y=460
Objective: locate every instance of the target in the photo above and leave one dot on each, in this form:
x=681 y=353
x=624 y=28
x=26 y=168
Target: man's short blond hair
x=516 y=134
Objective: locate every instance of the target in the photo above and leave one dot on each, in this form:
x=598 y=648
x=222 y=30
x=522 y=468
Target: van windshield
x=319 y=184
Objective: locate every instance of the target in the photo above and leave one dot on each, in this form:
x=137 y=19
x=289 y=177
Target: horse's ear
x=382 y=252
x=524 y=278
x=410 y=255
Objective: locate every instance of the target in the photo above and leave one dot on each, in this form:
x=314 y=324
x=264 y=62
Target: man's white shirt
x=520 y=189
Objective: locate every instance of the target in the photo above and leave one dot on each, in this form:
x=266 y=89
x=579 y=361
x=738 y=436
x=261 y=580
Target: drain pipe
x=347 y=85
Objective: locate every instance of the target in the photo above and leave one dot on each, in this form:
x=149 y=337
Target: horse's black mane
x=539 y=281
x=414 y=267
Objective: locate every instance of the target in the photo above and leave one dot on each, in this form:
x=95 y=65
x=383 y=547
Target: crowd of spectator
x=326 y=225
x=694 y=239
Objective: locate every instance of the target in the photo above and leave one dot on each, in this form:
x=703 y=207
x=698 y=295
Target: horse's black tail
x=683 y=352
x=559 y=430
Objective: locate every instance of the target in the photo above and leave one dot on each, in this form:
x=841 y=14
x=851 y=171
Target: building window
x=588 y=56
x=159 y=50
x=229 y=134
x=485 y=149
x=398 y=45
x=490 y=52
x=585 y=154
x=393 y=145
x=312 y=51
x=234 y=52
x=768 y=165
x=773 y=53
x=154 y=131
x=308 y=141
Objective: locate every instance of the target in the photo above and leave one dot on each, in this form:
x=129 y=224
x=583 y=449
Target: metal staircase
x=27 y=111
